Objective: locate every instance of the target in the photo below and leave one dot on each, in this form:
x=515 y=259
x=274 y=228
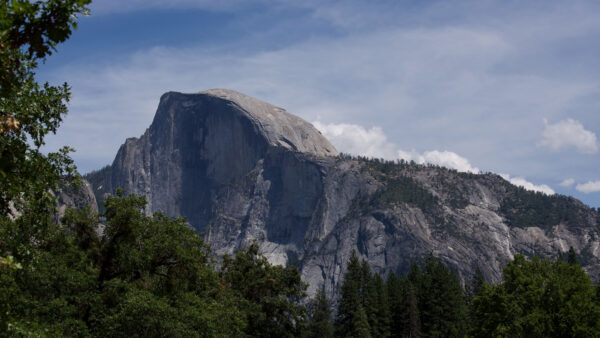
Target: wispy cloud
x=436 y=80
x=439 y=78
x=568 y=182
x=589 y=187
x=567 y=134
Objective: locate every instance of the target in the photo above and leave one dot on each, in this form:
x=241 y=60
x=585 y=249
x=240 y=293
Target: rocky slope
x=242 y=170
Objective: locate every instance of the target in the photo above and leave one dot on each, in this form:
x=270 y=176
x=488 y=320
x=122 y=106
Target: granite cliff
x=242 y=170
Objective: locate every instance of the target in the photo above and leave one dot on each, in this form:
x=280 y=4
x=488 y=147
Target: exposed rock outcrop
x=242 y=170
x=71 y=195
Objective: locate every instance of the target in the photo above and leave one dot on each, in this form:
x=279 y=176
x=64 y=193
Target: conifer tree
x=442 y=301
x=396 y=299
x=360 y=327
x=411 y=322
x=321 y=325
x=476 y=284
x=350 y=298
x=365 y=284
x=382 y=307
x=572 y=257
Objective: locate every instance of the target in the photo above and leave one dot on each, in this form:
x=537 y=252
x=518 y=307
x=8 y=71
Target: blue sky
x=510 y=87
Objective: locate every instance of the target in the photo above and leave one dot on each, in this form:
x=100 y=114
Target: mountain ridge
x=242 y=170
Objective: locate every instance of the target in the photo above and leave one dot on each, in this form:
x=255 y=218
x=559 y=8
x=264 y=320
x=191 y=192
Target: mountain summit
x=242 y=170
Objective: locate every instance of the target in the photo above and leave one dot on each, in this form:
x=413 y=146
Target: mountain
x=242 y=170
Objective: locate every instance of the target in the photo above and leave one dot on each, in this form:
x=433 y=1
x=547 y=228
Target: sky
x=510 y=87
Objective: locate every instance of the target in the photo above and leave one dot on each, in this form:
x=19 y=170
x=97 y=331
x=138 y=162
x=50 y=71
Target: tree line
x=537 y=298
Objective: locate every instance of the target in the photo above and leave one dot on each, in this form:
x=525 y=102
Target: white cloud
x=463 y=83
x=444 y=158
x=589 y=187
x=522 y=182
x=566 y=134
x=567 y=182
x=357 y=140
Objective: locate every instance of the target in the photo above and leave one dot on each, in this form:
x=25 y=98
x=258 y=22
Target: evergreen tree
x=476 y=284
x=321 y=325
x=270 y=295
x=411 y=320
x=442 y=302
x=368 y=294
x=572 y=257
x=350 y=298
x=382 y=308
x=396 y=299
x=360 y=327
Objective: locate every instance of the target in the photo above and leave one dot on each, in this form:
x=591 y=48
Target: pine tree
x=572 y=257
x=350 y=298
x=382 y=306
x=442 y=301
x=365 y=284
x=360 y=327
x=411 y=322
x=368 y=297
x=396 y=299
x=476 y=283
x=321 y=325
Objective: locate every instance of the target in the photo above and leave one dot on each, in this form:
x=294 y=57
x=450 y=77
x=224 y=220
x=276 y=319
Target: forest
x=122 y=273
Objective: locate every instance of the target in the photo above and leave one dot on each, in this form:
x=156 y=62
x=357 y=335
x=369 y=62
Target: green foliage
x=269 y=295
x=28 y=110
x=538 y=298
x=403 y=189
x=427 y=302
x=360 y=327
x=321 y=325
x=29 y=239
x=351 y=296
x=442 y=301
x=572 y=257
x=395 y=191
x=524 y=208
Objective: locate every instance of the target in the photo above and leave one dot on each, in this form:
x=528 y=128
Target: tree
x=477 y=283
x=350 y=298
x=411 y=320
x=269 y=295
x=572 y=257
x=442 y=302
x=153 y=276
x=360 y=327
x=321 y=325
x=29 y=32
x=538 y=298
x=381 y=306
x=395 y=289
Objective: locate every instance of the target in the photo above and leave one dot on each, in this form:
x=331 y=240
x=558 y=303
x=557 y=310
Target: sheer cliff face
x=242 y=170
x=198 y=143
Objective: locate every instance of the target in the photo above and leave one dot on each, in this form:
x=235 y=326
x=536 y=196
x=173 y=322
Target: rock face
x=74 y=196
x=242 y=170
